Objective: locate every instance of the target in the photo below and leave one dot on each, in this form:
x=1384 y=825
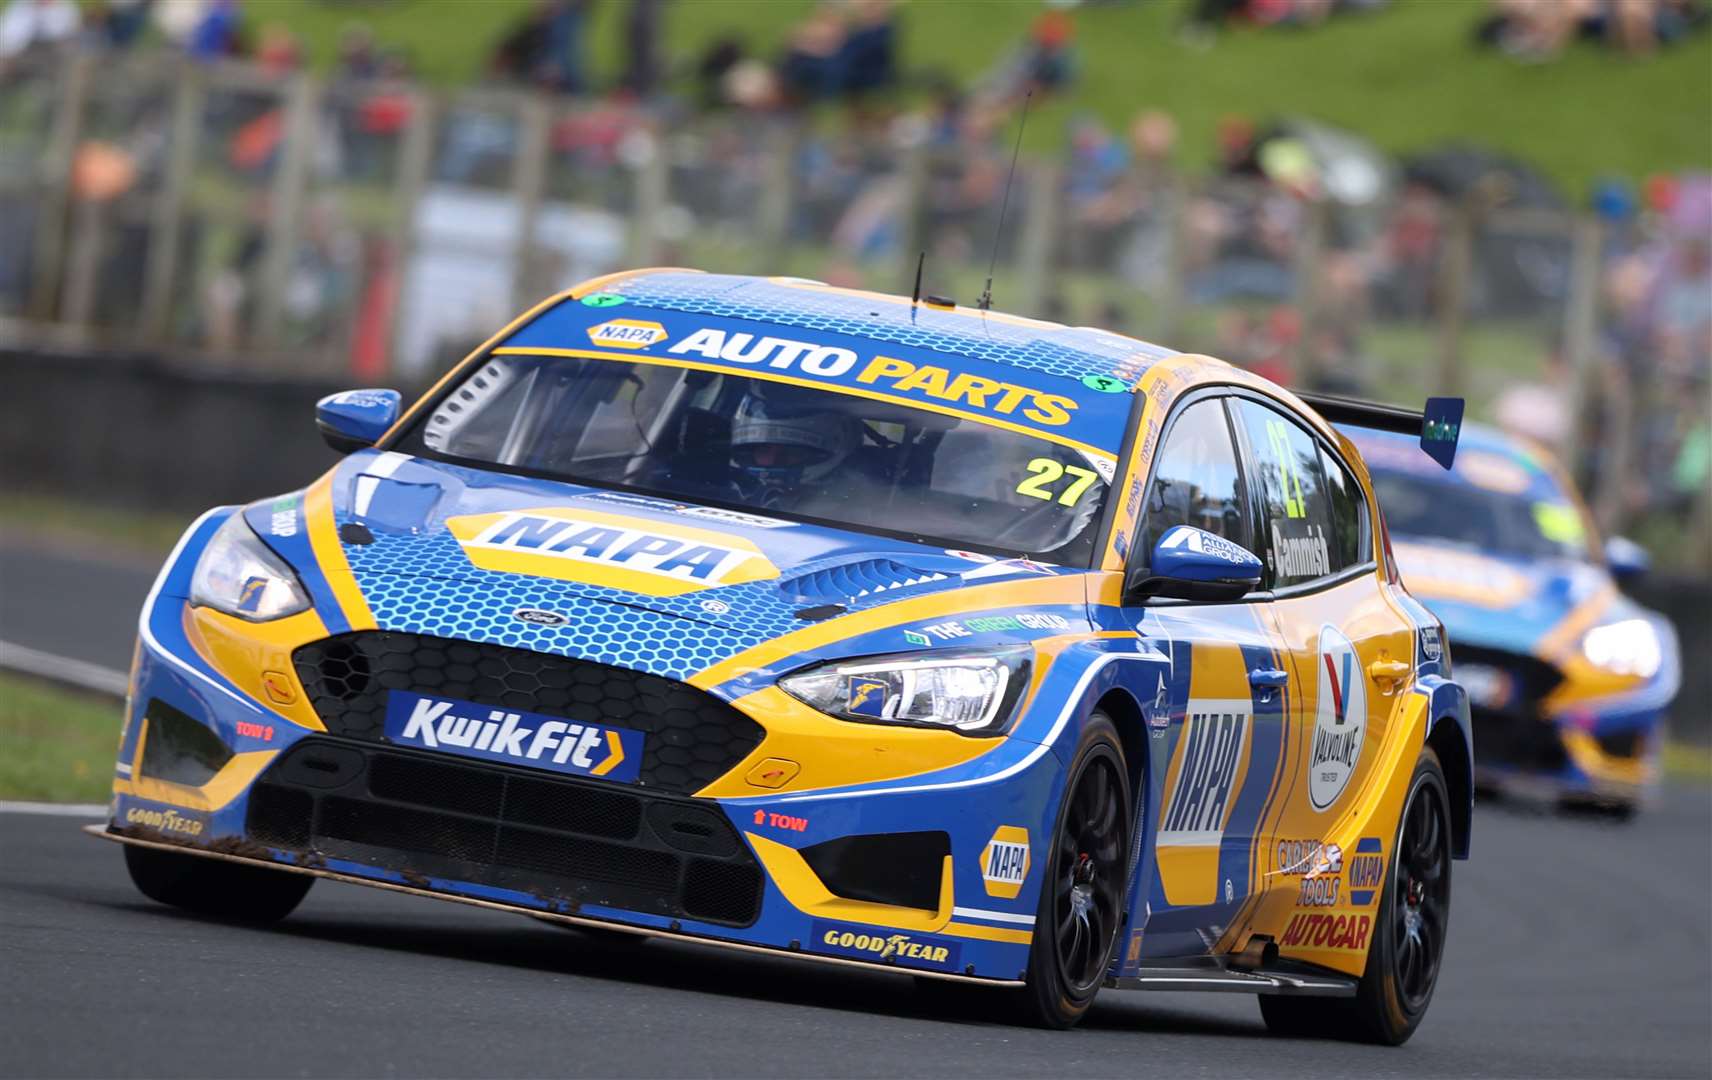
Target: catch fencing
x=243 y=221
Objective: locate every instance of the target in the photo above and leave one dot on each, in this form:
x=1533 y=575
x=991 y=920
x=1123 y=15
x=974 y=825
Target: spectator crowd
x=1294 y=252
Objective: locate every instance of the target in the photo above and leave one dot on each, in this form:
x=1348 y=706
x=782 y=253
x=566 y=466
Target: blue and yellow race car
x=1569 y=680
x=874 y=631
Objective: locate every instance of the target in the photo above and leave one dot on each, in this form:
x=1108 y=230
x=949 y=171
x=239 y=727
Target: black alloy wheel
x=1082 y=888
x=1421 y=884
x=1088 y=879
x=1410 y=931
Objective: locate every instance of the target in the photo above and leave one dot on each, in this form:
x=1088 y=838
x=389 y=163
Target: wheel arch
x=1125 y=713
x=1455 y=759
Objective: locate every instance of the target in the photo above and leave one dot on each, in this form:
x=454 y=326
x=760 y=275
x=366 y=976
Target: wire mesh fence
x=377 y=230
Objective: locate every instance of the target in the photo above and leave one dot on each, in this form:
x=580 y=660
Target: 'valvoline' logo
x=516 y=738
x=1340 y=719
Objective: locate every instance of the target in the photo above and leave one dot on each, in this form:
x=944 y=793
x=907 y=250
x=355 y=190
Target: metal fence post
x=1305 y=268
x=53 y=220
x=1579 y=326
x=912 y=235
x=1456 y=262
x=164 y=232
x=778 y=179
x=652 y=181
x=415 y=155
x=528 y=182
x=285 y=209
x=1176 y=194
x=1039 y=230
x=1617 y=464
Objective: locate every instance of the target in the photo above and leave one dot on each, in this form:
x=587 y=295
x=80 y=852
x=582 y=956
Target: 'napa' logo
x=627 y=333
x=1005 y=861
x=1215 y=751
x=622 y=552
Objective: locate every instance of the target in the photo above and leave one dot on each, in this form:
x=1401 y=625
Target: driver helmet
x=787 y=447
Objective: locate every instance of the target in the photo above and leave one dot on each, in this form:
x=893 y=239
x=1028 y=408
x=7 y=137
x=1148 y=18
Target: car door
x=1351 y=650
x=1218 y=718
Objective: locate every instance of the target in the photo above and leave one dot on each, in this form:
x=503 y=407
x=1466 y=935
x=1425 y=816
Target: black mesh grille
x=179 y=748
x=692 y=738
x=1516 y=733
x=903 y=869
x=1622 y=744
x=568 y=839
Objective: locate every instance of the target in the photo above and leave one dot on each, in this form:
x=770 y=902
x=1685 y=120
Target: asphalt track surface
x=1578 y=947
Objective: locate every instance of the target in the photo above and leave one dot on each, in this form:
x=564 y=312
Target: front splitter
x=102 y=832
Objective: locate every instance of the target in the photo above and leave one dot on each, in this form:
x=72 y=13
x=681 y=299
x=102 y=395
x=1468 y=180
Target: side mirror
x=1626 y=559
x=356 y=419
x=1193 y=564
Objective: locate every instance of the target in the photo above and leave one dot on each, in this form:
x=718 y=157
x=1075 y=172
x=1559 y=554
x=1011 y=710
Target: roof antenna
x=986 y=301
x=915 y=297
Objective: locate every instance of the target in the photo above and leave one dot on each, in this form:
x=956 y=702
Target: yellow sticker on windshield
x=1044 y=472
x=1559 y=523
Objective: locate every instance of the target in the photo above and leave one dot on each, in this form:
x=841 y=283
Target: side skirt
x=1282 y=978
x=101 y=832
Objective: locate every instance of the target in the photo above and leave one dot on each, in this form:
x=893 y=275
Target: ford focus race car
x=1569 y=680
x=792 y=618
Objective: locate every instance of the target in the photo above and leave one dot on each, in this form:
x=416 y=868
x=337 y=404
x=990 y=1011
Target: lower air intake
x=578 y=842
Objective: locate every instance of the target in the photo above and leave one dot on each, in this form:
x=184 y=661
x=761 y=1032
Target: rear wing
x=1438 y=424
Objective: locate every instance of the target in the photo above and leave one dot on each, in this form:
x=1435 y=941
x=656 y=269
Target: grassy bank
x=134 y=535
x=55 y=745
x=1406 y=77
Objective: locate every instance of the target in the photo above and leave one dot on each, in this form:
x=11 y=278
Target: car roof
x=1481 y=453
x=957 y=332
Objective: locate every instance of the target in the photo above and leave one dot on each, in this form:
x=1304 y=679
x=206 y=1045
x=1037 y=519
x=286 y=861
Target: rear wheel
x=1409 y=932
x=225 y=890
x=1081 y=903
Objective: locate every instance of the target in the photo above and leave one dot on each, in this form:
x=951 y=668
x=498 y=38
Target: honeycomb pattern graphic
x=423 y=583
x=690 y=738
x=1066 y=352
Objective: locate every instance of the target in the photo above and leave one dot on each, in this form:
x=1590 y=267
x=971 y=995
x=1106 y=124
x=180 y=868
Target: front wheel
x=224 y=890
x=1081 y=901
x=1409 y=932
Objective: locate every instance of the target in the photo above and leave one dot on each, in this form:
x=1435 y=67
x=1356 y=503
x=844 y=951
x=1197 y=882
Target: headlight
x=240 y=575
x=970 y=692
x=1630 y=647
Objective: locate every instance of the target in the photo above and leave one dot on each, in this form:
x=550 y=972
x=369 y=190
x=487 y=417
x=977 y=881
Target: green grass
x=55 y=745
x=1688 y=761
x=1407 y=77
x=140 y=534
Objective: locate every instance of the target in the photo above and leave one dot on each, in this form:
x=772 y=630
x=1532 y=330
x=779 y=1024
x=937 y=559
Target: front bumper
x=804 y=871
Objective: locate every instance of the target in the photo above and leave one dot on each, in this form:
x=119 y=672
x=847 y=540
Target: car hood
x=1503 y=603
x=669 y=586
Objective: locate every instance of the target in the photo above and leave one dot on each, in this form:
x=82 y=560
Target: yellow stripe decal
x=1037 y=590
x=330 y=554
x=988 y=933
x=232 y=780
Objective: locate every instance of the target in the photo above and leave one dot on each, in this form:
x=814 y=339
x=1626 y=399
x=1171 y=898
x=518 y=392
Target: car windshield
x=787 y=450
x=1498 y=523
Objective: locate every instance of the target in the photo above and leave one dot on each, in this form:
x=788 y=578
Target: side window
x=1195 y=479
x=1348 y=507
x=1300 y=536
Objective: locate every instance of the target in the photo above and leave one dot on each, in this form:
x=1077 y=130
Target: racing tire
x=1082 y=885
x=1408 y=938
x=214 y=887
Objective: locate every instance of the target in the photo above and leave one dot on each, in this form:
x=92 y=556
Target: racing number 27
x=1046 y=472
